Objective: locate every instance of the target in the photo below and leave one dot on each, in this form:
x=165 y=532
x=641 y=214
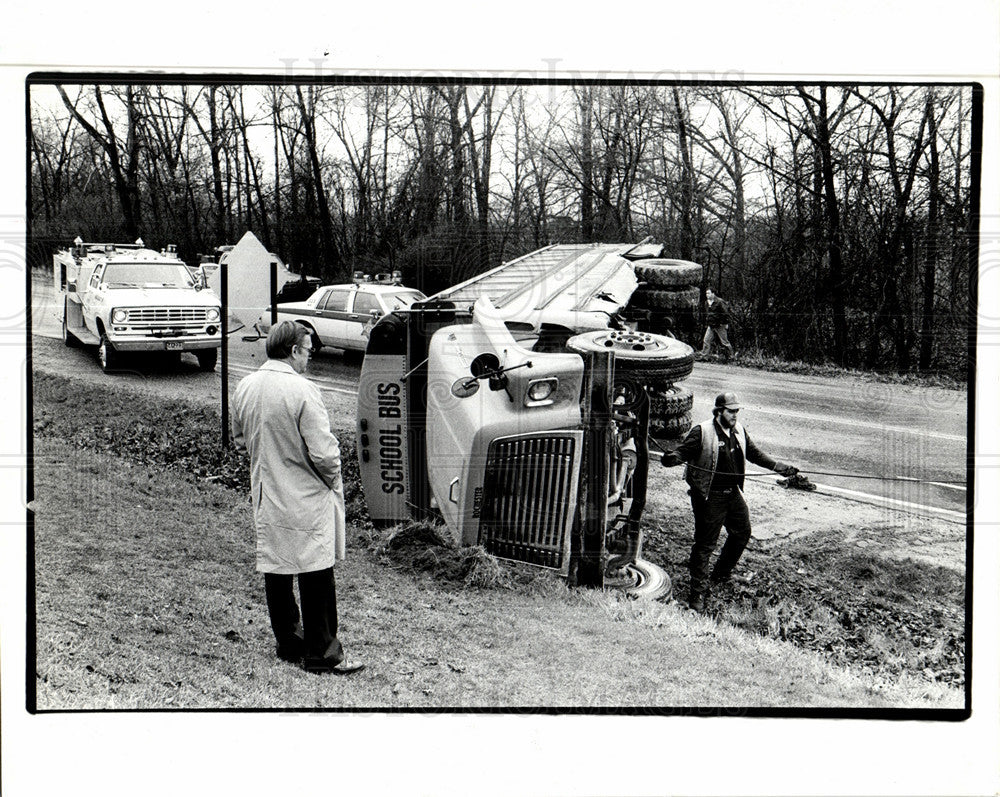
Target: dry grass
x=147 y=598
x=955 y=379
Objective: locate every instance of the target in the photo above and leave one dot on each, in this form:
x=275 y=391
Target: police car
x=340 y=316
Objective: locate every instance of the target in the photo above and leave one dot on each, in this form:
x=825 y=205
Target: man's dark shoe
x=290 y=655
x=324 y=666
x=696 y=602
x=292 y=650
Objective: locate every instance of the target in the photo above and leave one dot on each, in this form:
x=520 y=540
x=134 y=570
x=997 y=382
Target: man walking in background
x=717 y=315
x=298 y=499
x=716 y=453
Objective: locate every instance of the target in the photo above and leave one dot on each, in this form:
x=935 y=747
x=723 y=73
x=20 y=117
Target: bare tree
x=53 y=155
x=213 y=131
x=931 y=259
x=122 y=155
x=725 y=146
x=687 y=180
x=428 y=185
x=164 y=168
x=331 y=256
x=895 y=276
x=527 y=181
x=855 y=249
x=481 y=162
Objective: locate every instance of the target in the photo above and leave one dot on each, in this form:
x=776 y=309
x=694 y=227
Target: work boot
x=720 y=578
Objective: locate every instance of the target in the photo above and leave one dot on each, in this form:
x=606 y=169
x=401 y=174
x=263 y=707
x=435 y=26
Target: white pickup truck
x=127 y=298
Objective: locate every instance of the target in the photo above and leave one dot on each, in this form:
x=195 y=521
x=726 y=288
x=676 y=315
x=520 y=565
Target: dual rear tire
x=643 y=355
x=652 y=360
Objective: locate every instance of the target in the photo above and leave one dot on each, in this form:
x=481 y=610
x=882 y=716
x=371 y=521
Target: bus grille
x=529 y=497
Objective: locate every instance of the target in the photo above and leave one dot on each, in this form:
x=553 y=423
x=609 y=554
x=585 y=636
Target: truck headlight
x=212 y=314
x=119 y=316
x=539 y=392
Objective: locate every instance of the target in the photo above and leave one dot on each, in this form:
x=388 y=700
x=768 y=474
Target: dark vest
x=700 y=477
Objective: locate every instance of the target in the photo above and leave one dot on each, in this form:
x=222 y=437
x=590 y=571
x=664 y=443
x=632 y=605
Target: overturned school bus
x=518 y=407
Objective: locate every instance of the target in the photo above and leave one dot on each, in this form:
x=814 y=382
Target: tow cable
x=800 y=482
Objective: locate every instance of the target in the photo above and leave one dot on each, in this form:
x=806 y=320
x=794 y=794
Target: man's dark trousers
x=319 y=613
x=721 y=508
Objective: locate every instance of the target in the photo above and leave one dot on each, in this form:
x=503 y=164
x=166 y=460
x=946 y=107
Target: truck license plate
x=175 y=346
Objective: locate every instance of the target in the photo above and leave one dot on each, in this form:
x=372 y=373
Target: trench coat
x=295 y=480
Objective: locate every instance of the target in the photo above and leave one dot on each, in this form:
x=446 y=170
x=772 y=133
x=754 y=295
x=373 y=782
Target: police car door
x=359 y=319
x=331 y=318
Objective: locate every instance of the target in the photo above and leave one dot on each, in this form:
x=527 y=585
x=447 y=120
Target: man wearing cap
x=716 y=452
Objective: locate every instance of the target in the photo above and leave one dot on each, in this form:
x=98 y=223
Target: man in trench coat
x=298 y=499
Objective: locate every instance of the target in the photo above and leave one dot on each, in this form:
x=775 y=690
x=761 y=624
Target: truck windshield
x=147 y=275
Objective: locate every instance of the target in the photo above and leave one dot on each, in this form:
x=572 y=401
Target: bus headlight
x=212 y=314
x=119 y=316
x=539 y=392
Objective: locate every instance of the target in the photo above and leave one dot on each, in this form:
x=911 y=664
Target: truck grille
x=167 y=316
x=529 y=497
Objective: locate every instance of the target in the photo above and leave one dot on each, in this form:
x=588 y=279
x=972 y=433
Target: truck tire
x=669 y=401
x=657 y=299
x=670 y=428
x=107 y=355
x=663 y=273
x=68 y=337
x=207 y=358
x=648 y=356
x=641 y=579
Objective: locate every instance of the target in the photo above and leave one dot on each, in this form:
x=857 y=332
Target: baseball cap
x=727 y=401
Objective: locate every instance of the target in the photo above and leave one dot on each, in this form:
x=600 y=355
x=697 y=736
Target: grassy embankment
x=146 y=598
x=754 y=358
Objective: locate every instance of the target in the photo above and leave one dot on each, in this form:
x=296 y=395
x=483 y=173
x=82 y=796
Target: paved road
x=889 y=444
x=874 y=436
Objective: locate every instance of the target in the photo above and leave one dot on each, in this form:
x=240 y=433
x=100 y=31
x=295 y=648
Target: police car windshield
x=147 y=275
x=403 y=299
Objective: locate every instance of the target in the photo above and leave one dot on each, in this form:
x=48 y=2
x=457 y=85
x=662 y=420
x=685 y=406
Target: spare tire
x=669 y=401
x=642 y=353
x=670 y=428
x=656 y=299
x=664 y=273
